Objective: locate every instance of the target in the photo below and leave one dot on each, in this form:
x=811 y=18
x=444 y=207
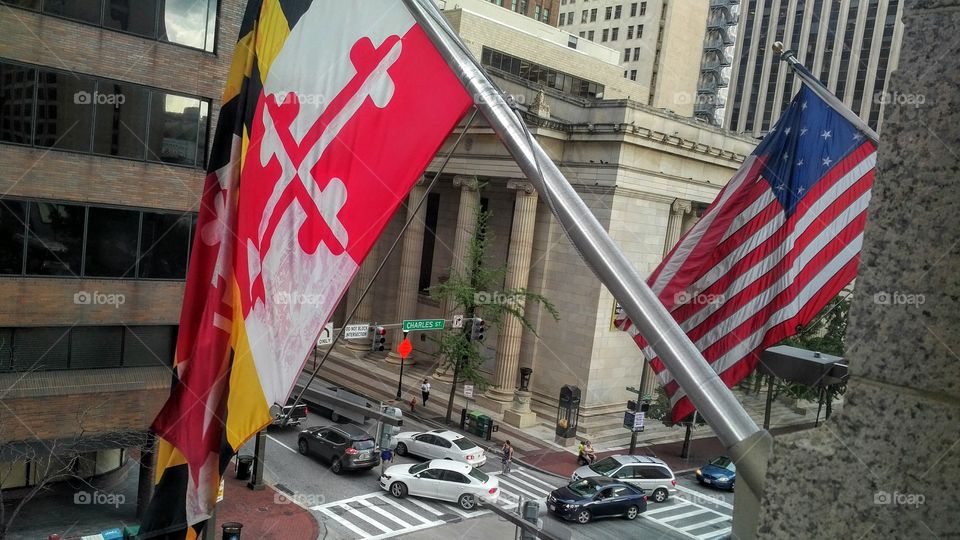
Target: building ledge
x=83 y=381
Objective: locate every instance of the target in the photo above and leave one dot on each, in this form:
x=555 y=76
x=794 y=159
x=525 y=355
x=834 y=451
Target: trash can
x=483 y=426
x=130 y=532
x=473 y=422
x=231 y=530
x=244 y=466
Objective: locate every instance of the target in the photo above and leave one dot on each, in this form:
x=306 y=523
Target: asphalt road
x=352 y=505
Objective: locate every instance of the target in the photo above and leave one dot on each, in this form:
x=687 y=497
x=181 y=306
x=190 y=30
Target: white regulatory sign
x=326 y=336
x=468 y=390
x=457 y=321
x=356 y=331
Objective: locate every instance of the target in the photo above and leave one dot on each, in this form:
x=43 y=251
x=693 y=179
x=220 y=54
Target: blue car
x=588 y=498
x=721 y=472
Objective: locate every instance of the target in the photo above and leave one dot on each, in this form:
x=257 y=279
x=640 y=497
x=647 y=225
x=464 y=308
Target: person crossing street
x=425 y=391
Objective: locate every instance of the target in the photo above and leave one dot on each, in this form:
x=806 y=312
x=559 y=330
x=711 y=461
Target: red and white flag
x=781 y=239
x=332 y=111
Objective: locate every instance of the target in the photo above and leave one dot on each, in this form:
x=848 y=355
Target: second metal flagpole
x=738 y=432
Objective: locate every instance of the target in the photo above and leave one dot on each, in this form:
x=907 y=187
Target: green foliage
x=464 y=293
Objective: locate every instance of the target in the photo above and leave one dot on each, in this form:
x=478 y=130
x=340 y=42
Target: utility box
x=568 y=411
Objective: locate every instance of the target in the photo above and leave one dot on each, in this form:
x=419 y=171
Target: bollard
x=231 y=530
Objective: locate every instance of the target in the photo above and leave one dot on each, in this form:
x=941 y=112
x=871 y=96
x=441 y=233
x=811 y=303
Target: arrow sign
x=405 y=348
x=326 y=335
x=458 y=321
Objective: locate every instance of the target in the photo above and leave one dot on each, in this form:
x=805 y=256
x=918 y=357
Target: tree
x=471 y=293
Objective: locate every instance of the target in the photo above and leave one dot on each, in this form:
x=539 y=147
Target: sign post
x=405 y=348
x=467 y=395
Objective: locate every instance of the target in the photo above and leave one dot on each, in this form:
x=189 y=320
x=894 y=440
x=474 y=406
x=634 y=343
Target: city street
x=352 y=505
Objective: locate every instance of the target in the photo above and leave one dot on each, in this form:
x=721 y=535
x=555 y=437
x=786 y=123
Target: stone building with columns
x=645 y=173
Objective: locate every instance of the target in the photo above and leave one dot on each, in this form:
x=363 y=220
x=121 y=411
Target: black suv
x=346 y=447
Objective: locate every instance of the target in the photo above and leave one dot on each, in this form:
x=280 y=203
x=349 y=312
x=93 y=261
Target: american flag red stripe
x=778 y=243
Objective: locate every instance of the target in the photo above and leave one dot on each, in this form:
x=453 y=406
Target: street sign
x=457 y=321
x=356 y=331
x=423 y=324
x=468 y=390
x=633 y=421
x=405 y=348
x=326 y=336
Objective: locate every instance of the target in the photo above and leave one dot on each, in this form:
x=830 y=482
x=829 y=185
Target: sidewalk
x=533 y=446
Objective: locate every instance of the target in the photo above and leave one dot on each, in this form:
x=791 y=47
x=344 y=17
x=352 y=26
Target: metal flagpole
x=739 y=433
x=825 y=94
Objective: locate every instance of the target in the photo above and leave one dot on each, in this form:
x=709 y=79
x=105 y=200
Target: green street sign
x=423 y=324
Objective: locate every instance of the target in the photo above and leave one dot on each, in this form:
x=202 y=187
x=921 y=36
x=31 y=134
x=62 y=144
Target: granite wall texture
x=887 y=466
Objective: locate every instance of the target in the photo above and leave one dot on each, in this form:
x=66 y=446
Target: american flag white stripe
x=747 y=346
x=750 y=212
x=771 y=261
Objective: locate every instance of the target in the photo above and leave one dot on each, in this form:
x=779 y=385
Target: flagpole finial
x=777 y=47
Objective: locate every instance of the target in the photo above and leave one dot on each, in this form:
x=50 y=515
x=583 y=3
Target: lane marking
x=344 y=501
x=704 y=524
x=343 y=522
x=424 y=506
x=677 y=517
x=716 y=534
x=405 y=531
x=400 y=507
x=665 y=508
x=384 y=513
x=375 y=523
x=281 y=444
x=699 y=495
x=520 y=489
x=535 y=479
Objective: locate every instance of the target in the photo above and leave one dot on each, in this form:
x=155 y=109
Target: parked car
x=442 y=479
x=647 y=473
x=721 y=472
x=440 y=444
x=346 y=447
x=288 y=415
x=596 y=496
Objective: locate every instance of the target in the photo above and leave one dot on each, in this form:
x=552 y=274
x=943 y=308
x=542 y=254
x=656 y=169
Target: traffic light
x=478 y=329
x=645 y=406
x=632 y=405
x=379 y=338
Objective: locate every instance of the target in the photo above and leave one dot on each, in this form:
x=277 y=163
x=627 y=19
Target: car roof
x=354 y=432
x=450 y=465
x=646 y=460
x=446 y=434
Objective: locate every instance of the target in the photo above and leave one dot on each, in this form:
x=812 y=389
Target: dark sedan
x=596 y=497
x=346 y=447
x=721 y=472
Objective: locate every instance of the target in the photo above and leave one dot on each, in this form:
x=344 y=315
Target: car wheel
x=401 y=449
x=632 y=513
x=336 y=467
x=583 y=516
x=467 y=501
x=302 y=446
x=398 y=490
x=660 y=495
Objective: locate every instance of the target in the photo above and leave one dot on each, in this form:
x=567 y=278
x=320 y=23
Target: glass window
x=16 y=103
x=202 y=134
x=139 y=17
x=64 y=111
x=478 y=474
x=40 y=348
x=174 y=126
x=464 y=444
x=605 y=466
x=26 y=4
x=454 y=476
x=13 y=215
x=112 y=242
x=365 y=444
x=624 y=472
x=149 y=345
x=584 y=488
x=441 y=442
x=95 y=347
x=164 y=240
x=429 y=241
x=121 y=120
x=188 y=22
x=6 y=350
x=419 y=467
x=82 y=10
x=54 y=239
x=431 y=474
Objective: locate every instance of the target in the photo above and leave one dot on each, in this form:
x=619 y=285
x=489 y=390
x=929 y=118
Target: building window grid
x=739 y=91
x=757 y=70
x=614 y=34
x=630 y=32
x=643 y=8
x=537 y=73
x=617 y=11
x=608 y=13
x=851 y=28
x=828 y=51
x=639 y=31
x=883 y=60
x=864 y=60
x=633 y=9
x=774 y=70
x=593 y=15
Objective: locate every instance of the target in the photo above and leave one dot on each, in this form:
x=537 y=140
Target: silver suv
x=648 y=473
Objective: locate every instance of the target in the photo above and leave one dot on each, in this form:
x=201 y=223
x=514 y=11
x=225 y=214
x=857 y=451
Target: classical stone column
x=518 y=261
x=365 y=311
x=678 y=210
x=409 y=280
x=466 y=227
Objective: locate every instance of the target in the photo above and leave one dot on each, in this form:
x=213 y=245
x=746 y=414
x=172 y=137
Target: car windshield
x=478 y=474
x=419 y=467
x=365 y=444
x=584 y=488
x=725 y=463
x=464 y=443
x=605 y=466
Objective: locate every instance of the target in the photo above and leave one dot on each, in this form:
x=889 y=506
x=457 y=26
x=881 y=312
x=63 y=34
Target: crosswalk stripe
x=514 y=487
x=407 y=531
x=722 y=533
x=382 y=512
x=537 y=489
x=345 y=501
x=707 y=523
x=665 y=508
x=700 y=496
x=400 y=507
x=537 y=480
x=353 y=511
x=424 y=506
x=343 y=522
x=677 y=517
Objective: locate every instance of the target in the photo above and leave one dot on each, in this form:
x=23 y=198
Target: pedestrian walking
x=425 y=391
x=507 y=458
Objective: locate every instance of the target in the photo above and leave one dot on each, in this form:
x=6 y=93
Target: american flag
x=781 y=239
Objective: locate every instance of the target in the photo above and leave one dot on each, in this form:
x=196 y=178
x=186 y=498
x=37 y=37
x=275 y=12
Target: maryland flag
x=331 y=112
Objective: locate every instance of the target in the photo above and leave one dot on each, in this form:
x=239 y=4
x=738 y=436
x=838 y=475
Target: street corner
x=267 y=514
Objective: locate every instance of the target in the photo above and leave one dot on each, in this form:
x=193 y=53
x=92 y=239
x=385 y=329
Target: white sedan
x=440 y=444
x=442 y=479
